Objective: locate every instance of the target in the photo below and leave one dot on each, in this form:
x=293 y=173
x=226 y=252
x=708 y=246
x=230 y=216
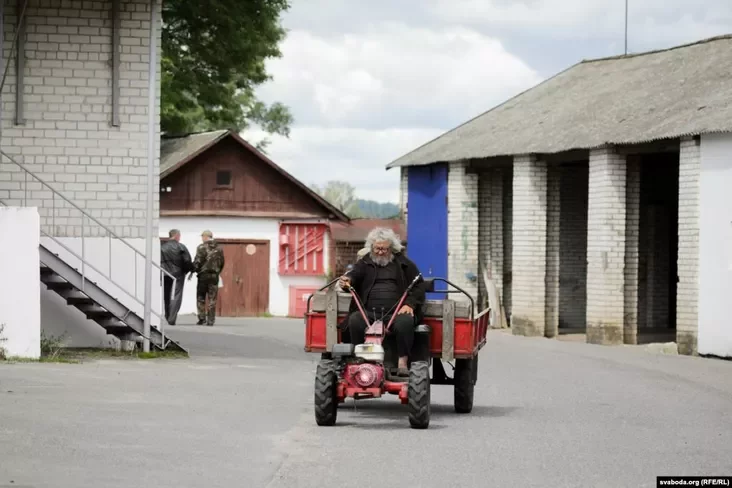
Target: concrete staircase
x=92 y=298
x=98 y=306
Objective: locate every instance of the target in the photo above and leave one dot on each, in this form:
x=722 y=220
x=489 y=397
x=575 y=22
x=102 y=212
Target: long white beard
x=382 y=260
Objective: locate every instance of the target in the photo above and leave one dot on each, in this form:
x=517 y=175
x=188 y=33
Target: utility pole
x=151 y=106
x=626 y=27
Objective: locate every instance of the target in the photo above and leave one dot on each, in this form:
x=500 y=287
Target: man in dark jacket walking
x=379 y=279
x=176 y=260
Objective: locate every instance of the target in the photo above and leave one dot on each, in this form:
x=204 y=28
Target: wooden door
x=245 y=278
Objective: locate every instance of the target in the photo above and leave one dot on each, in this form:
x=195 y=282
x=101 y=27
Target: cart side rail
x=446 y=318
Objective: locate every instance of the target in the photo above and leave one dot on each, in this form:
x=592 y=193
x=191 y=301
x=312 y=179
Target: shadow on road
x=393 y=415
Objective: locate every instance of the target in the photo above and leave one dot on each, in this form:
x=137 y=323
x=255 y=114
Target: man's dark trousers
x=172 y=304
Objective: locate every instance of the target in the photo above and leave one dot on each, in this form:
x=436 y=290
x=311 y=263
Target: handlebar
x=414 y=282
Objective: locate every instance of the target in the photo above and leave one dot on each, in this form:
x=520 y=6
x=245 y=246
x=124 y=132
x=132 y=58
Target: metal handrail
x=82 y=258
x=87 y=214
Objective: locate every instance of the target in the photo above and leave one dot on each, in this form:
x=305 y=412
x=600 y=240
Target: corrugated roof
x=358 y=229
x=685 y=90
x=178 y=149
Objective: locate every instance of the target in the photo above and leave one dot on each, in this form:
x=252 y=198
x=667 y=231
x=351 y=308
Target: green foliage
x=213 y=59
x=377 y=210
x=341 y=195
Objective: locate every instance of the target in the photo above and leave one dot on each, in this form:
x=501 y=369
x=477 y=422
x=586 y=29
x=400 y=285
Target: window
x=223 y=178
x=302 y=249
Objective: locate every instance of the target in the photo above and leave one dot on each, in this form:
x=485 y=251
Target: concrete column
x=552 y=251
x=403 y=194
x=606 y=247
x=529 y=246
x=687 y=295
x=462 y=224
x=632 y=235
x=20 y=291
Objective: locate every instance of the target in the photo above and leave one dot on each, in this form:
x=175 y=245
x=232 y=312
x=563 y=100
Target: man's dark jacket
x=363 y=277
x=175 y=258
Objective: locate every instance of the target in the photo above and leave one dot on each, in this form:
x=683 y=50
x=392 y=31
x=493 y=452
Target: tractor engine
x=364 y=375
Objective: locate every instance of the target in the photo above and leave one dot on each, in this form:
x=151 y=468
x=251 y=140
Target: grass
x=78 y=355
x=2 y=341
x=54 y=351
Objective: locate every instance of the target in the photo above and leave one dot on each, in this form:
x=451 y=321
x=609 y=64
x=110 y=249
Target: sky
x=369 y=81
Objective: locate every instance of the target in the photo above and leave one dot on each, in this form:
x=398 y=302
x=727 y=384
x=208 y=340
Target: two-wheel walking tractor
x=450 y=332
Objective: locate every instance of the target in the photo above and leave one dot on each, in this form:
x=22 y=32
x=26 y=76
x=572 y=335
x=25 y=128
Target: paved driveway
x=239 y=414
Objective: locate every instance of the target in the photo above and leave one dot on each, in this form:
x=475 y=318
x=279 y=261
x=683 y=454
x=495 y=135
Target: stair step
x=92 y=309
x=59 y=285
x=118 y=330
x=77 y=300
x=91 y=299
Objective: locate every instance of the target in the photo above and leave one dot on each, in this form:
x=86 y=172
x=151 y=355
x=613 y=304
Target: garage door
x=245 y=278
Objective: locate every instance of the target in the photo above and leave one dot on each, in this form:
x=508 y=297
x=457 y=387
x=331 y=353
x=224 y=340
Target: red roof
x=358 y=229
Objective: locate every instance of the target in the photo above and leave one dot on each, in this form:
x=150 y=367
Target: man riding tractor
x=379 y=279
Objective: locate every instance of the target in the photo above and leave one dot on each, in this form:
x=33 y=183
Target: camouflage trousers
x=208 y=287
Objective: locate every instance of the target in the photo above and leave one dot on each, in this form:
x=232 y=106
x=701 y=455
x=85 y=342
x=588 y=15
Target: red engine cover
x=364 y=375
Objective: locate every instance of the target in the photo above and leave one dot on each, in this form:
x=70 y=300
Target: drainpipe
x=151 y=94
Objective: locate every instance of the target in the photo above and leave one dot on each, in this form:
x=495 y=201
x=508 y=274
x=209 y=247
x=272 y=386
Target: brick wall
x=508 y=241
x=462 y=225
x=67 y=137
x=345 y=253
x=553 y=248
x=490 y=230
x=573 y=246
x=657 y=241
x=632 y=242
x=403 y=193
x=529 y=246
x=606 y=247
x=688 y=251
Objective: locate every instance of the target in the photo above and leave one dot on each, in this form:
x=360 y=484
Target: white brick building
x=598 y=200
x=80 y=130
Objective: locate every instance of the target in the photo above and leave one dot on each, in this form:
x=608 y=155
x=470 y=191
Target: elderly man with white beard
x=379 y=279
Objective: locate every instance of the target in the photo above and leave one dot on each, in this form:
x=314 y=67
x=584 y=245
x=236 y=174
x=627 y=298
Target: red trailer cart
x=450 y=332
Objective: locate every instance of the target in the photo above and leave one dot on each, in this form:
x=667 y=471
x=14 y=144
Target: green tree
x=341 y=195
x=213 y=58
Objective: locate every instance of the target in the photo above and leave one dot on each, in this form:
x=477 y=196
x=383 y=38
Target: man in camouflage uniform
x=207 y=265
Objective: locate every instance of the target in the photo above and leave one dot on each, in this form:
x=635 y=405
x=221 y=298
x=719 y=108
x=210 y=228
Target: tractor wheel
x=326 y=401
x=418 y=395
x=465 y=378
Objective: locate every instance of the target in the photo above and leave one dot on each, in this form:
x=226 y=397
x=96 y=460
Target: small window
x=223 y=178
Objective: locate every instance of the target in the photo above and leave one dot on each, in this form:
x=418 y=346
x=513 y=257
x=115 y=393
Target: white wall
x=125 y=280
x=66 y=137
x=239 y=228
x=715 y=246
x=20 y=315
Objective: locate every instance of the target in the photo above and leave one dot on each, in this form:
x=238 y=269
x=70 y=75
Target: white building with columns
x=599 y=201
x=80 y=135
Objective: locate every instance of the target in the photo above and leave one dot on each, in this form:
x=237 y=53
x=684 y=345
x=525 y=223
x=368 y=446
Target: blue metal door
x=427 y=222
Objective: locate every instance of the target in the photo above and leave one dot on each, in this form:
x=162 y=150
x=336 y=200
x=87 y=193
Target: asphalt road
x=547 y=413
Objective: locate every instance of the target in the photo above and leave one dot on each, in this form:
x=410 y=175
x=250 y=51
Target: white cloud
x=369 y=81
x=394 y=75
x=316 y=155
x=362 y=100
x=651 y=23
